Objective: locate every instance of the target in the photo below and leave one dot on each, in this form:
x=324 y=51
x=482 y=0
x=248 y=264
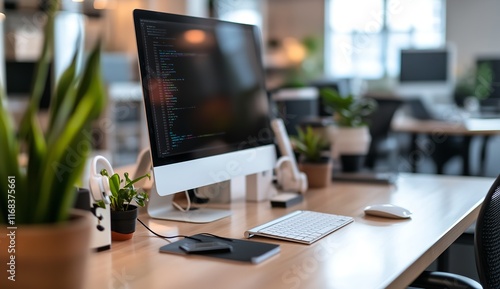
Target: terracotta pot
x=319 y=175
x=47 y=256
x=123 y=224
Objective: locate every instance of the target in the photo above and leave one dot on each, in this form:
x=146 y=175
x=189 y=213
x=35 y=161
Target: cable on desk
x=167 y=237
x=183 y=236
x=188 y=207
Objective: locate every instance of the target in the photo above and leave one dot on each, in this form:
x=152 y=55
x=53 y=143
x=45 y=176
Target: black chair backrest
x=487 y=238
x=380 y=120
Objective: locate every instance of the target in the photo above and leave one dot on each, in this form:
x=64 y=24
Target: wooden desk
x=438 y=130
x=372 y=252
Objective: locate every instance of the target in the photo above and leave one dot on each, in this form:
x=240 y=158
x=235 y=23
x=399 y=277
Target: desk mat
x=243 y=250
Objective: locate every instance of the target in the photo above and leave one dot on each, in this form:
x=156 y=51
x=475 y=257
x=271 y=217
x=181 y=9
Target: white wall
x=295 y=18
x=120 y=26
x=473 y=26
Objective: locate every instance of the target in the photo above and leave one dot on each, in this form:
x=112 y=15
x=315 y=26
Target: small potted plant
x=351 y=139
x=123 y=212
x=313 y=160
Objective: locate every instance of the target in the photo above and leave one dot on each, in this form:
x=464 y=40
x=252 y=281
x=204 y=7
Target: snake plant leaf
x=68 y=153
x=63 y=99
x=45 y=189
x=91 y=81
x=77 y=152
x=8 y=155
x=37 y=153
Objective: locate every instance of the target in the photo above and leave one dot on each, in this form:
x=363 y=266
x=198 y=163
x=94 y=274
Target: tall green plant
x=43 y=191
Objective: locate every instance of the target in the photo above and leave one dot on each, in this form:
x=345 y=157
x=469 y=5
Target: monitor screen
x=19 y=78
x=427 y=73
x=205 y=100
x=424 y=65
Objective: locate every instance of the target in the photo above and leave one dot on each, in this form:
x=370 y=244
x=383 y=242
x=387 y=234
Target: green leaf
x=309 y=144
x=130 y=183
x=8 y=155
x=37 y=149
x=348 y=110
x=91 y=82
x=63 y=99
x=114 y=184
x=86 y=109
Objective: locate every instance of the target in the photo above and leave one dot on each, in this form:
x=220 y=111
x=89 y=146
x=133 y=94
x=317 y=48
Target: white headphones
x=99 y=184
x=289 y=177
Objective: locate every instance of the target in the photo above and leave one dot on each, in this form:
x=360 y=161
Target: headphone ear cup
x=285 y=174
x=99 y=184
x=94 y=186
x=303 y=183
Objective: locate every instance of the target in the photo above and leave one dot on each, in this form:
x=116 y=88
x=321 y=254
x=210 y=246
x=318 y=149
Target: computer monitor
x=206 y=105
x=427 y=73
x=19 y=80
x=489 y=91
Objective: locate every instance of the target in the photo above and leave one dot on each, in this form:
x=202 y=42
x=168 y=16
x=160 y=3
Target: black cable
x=168 y=237
x=184 y=236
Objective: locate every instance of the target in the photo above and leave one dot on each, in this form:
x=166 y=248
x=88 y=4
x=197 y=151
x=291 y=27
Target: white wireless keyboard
x=301 y=226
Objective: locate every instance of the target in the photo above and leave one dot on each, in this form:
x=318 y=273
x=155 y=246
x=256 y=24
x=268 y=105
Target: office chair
x=380 y=126
x=487 y=251
x=447 y=149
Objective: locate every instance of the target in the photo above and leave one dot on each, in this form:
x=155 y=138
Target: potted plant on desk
x=123 y=212
x=351 y=139
x=312 y=158
x=44 y=242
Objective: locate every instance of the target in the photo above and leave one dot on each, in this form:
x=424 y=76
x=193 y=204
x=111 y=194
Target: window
x=364 y=37
x=242 y=11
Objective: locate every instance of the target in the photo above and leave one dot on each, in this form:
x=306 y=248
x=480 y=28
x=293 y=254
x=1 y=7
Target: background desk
x=438 y=129
x=372 y=252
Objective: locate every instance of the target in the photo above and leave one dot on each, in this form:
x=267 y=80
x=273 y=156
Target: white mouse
x=388 y=211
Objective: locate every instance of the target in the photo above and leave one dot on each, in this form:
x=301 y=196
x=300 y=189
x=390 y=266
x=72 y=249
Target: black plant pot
x=352 y=163
x=123 y=223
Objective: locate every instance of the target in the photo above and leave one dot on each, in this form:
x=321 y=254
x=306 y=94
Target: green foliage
x=121 y=197
x=476 y=83
x=44 y=190
x=348 y=111
x=484 y=78
x=311 y=67
x=309 y=145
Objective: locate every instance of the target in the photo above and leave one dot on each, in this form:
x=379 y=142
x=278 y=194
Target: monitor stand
x=160 y=207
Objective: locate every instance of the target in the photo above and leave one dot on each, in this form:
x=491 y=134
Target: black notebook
x=242 y=250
